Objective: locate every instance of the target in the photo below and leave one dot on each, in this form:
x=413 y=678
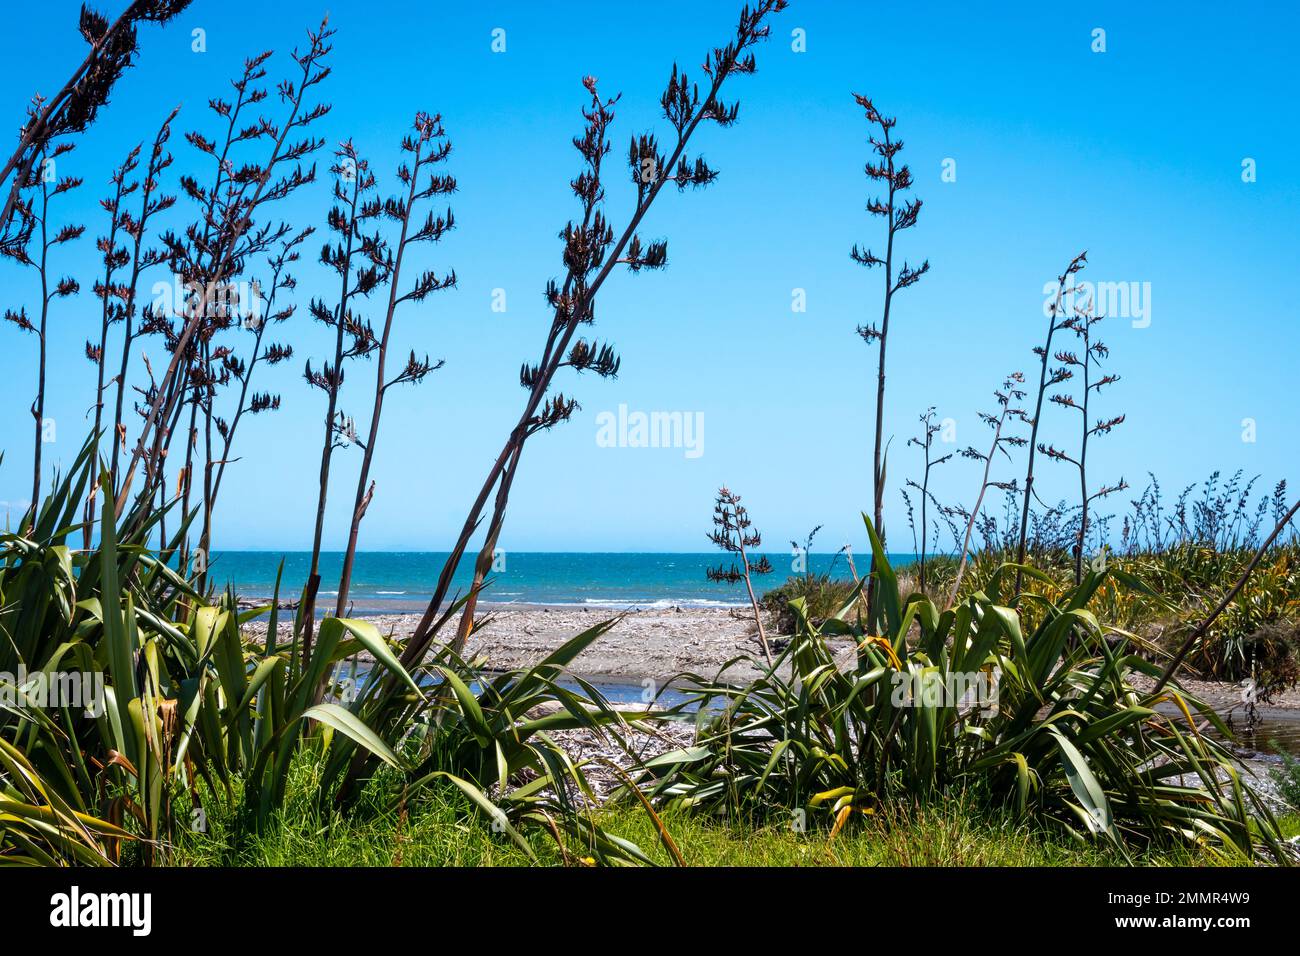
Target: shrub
x=1068 y=742
x=822 y=596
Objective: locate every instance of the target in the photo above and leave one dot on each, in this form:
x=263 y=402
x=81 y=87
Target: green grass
x=952 y=835
x=440 y=829
x=437 y=829
x=441 y=833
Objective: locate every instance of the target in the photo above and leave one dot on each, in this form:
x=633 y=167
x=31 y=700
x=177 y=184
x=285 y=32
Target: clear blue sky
x=1134 y=154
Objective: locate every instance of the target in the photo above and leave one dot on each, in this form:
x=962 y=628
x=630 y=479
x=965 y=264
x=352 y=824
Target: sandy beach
x=657 y=644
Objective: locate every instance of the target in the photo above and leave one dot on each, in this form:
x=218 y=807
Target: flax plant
x=360 y=262
x=899 y=214
x=114 y=257
x=113 y=48
x=268 y=312
x=119 y=298
x=427 y=148
x=926 y=443
x=224 y=304
x=1086 y=364
x=733 y=532
x=47 y=184
x=233 y=227
x=592 y=250
x=1055 y=322
x=1044 y=720
x=1008 y=398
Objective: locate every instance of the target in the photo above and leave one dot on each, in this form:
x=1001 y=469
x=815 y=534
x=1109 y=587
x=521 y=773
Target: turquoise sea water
x=390 y=581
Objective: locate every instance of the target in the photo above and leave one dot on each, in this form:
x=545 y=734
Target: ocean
x=396 y=581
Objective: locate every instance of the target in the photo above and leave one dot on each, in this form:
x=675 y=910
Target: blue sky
x=1134 y=154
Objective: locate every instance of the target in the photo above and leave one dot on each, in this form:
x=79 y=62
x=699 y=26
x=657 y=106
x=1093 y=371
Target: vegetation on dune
x=1256 y=638
x=822 y=596
x=1042 y=722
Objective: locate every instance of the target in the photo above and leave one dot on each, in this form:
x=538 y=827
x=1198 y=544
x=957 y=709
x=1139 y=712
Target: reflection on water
x=1269 y=736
